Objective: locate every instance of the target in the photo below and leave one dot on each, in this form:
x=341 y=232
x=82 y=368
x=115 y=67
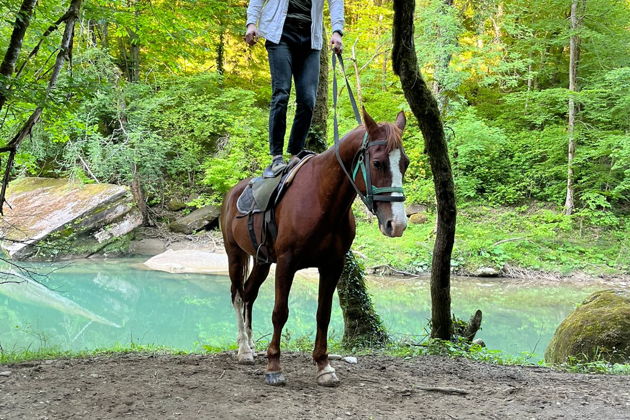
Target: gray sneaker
x=273 y=170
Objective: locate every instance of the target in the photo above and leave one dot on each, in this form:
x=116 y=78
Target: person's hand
x=251 y=36
x=335 y=42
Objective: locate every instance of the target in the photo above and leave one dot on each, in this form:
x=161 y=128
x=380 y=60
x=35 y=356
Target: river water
x=101 y=303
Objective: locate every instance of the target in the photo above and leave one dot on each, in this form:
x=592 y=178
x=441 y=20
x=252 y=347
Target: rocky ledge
x=51 y=218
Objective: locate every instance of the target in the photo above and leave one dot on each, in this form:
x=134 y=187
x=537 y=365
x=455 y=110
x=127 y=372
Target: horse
x=315 y=228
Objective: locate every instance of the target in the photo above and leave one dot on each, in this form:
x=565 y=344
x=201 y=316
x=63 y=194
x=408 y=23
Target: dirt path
x=214 y=386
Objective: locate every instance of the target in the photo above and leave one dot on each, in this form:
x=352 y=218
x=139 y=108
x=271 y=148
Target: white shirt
x=269 y=17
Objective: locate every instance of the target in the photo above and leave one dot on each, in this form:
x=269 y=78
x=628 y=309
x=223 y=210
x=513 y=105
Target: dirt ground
x=215 y=386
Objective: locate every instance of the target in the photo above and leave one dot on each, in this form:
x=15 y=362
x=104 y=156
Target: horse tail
x=245 y=269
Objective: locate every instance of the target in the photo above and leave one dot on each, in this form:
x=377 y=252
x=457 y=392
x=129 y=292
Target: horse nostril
x=388 y=226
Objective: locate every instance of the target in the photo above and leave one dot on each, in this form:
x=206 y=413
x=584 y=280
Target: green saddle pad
x=262 y=188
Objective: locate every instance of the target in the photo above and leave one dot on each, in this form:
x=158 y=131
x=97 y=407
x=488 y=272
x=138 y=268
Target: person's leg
x=280 y=64
x=306 y=76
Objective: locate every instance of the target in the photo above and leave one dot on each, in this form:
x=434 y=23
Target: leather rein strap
x=373 y=194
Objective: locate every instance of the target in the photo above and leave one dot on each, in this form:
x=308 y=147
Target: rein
x=372 y=193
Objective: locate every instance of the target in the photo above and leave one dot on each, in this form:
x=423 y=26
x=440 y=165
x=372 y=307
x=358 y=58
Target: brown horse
x=315 y=228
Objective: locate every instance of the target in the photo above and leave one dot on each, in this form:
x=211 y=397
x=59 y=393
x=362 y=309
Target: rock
x=196 y=220
x=487 y=272
x=334 y=357
x=60 y=218
x=479 y=342
x=415 y=208
x=147 y=246
x=5 y=373
x=175 y=204
x=350 y=360
x=599 y=329
x=189 y=261
x=418 y=218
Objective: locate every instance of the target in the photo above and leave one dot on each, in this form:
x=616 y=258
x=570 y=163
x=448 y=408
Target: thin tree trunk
x=425 y=108
x=65 y=51
x=353 y=58
x=134 y=55
x=574 y=57
x=22 y=20
x=220 y=53
x=318 y=134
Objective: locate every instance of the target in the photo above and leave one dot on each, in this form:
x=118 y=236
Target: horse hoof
x=327 y=377
x=275 y=379
x=246 y=359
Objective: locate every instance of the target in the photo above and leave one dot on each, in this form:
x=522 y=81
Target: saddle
x=262 y=195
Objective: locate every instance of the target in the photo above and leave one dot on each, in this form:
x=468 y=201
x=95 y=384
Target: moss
x=599 y=329
x=363 y=326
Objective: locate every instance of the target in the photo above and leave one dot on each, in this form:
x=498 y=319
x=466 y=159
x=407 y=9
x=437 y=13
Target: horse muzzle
x=392 y=228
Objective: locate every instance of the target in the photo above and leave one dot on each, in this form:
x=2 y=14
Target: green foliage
x=195 y=118
x=530 y=237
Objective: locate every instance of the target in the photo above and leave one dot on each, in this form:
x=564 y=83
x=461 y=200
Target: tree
x=22 y=20
x=425 y=108
x=317 y=135
x=574 y=57
x=65 y=52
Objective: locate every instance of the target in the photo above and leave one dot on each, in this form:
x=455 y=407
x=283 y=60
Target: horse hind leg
x=252 y=286
x=238 y=266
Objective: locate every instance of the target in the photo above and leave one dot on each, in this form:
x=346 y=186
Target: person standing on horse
x=293 y=30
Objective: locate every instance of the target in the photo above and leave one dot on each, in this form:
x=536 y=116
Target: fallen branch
x=502 y=241
x=447 y=390
x=388 y=269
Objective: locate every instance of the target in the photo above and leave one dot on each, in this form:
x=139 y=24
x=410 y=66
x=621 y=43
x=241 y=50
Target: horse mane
x=393 y=136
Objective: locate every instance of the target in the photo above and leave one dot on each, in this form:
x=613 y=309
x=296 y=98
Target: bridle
x=372 y=194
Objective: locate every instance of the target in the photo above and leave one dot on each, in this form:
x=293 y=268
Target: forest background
x=167 y=94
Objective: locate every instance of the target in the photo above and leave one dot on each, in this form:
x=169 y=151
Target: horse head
x=385 y=163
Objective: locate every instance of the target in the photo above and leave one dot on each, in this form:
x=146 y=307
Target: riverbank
x=528 y=242
x=215 y=386
x=536 y=243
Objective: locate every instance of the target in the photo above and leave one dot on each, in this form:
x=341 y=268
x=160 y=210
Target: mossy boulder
x=418 y=218
x=599 y=329
x=49 y=218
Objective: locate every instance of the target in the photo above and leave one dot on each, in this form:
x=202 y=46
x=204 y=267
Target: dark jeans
x=293 y=56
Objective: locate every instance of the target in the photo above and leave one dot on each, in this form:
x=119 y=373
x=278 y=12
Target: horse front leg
x=328 y=278
x=284 y=280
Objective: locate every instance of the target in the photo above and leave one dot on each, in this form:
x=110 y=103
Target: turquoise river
x=93 y=304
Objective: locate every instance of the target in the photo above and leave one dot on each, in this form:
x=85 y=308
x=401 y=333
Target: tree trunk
x=220 y=53
x=22 y=20
x=362 y=325
x=134 y=55
x=138 y=194
x=318 y=134
x=425 y=108
x=574 y=57
x=65 y=51
x=355 y=65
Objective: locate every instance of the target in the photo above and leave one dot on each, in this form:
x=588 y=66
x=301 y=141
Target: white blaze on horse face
x=399 y=217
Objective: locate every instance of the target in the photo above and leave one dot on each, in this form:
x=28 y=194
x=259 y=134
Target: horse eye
x=378 y=164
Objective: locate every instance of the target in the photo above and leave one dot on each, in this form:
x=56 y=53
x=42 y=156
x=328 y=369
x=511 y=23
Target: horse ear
x=401 y=120
x=370 y=124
